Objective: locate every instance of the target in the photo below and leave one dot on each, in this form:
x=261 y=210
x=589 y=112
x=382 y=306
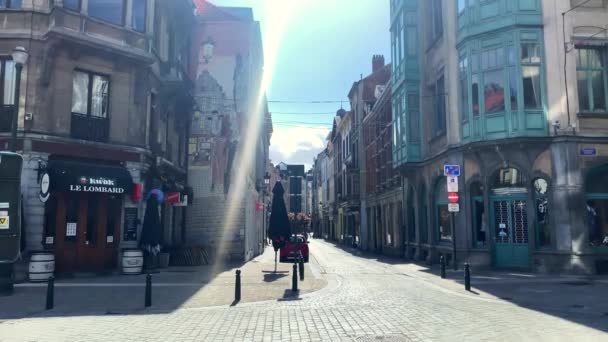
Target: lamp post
x=266 y=184
x=19 y=58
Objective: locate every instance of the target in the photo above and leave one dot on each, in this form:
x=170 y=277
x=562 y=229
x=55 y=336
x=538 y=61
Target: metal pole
x=13 y=141
x=294 y=278
x=453 y=224
x=467 y=277
x=237 y=287
x=148 y=290
x=50 y=293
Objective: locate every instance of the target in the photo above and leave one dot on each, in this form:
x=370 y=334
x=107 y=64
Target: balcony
x=89 y=128
x=6 y=117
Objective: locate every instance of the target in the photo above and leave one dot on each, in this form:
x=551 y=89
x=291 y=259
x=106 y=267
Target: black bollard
x=301 y=267
x=442 y=264
x=148 y=290
x=467 y=277
x=237 y=286
x=50 y=293
x=294 y=278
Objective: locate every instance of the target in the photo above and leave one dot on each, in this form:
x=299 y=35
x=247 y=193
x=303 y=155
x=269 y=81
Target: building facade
x=518 y=101
x=230 y=134
x=383 y=191
x=104 y=113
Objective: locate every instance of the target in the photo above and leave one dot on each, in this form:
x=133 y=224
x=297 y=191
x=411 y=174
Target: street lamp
x=19 y=58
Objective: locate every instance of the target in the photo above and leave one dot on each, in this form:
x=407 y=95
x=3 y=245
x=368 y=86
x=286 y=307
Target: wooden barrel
x=42 y=266
x=132 y=261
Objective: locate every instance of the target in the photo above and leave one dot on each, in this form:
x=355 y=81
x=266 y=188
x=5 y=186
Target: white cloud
x=297 y=145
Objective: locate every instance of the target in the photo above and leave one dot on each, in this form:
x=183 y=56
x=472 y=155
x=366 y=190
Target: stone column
x=567 y=205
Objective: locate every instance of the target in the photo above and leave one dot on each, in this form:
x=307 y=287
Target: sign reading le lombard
x=89 y=184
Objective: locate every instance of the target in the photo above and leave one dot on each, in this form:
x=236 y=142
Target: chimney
x=377 y=62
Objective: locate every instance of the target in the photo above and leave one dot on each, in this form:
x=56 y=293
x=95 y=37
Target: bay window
x=111 y=11
x=464 y=93
x=72 y=4
x=530 y=67
x=14 y=4
x=592 y=75
x=493 y=90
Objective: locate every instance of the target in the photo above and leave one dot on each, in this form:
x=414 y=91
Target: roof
x=380 y=76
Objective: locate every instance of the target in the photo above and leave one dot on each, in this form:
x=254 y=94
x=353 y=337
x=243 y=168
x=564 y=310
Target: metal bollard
x=442 y=264
x=237 y=286
x=294 y=278
x=467 y=277
x=148 y=290
x=301 y=267
x=50 y=293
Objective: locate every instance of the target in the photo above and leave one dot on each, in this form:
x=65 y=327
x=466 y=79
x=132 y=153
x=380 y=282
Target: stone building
x=383 y=191
x=515 y=93
x=231 y=130
x=104 y=112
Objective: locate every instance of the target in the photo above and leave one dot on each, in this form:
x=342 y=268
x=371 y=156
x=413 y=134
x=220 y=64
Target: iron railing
x=88 y=127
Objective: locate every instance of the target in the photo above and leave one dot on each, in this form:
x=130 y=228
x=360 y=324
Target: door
x=86 y=231
x=510 y=231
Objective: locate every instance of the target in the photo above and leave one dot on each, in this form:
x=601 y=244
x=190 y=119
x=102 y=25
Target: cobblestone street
x=364 y=299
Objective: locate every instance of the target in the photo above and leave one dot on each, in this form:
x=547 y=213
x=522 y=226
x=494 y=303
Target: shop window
x=113 y=219
x=72 y=4
x=138 y=15
x=92 y=220
x=15 y=4
x=443 y=217
x=480 y=228
x=542 y=212
x=508 y=177
x=423 y=212
x=411 y=219
x=107 y=10
x=597 y=206
x=592 y=75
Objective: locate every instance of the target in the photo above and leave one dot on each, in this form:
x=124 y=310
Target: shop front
x=83 y=213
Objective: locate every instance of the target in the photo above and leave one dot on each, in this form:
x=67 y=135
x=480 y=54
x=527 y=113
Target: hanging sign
x=452 y=183
x=44 y=193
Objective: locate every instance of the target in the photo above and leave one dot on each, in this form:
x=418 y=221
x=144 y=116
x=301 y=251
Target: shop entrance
x=87 y=231
x=509 y=220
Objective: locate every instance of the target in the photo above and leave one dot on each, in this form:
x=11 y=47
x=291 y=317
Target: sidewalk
x=570 y=294
x=172 y=289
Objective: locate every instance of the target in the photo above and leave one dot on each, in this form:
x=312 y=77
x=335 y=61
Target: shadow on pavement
x=88 y=294
x=579 y=299
x=270 y=277
x=290 y=295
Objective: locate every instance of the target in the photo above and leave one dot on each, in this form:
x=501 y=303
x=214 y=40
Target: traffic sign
x=451 y=170
x=453 y=197
x=452 y=183
x=453 y=207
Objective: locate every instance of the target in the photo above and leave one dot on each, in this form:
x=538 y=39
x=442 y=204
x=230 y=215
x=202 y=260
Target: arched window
x=508 y=181
x=442 y=215
x=596 y=188
x=478 y=215
x=543 y=230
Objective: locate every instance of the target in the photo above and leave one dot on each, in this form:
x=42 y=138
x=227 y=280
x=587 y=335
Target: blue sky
x=325 y=46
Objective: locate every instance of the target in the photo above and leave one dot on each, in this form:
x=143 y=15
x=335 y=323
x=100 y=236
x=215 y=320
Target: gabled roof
x=380 y=76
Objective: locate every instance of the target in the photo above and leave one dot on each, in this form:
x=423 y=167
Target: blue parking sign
x=451 y=170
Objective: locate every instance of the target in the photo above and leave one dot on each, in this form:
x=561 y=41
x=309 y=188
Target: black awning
x=75 y=176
